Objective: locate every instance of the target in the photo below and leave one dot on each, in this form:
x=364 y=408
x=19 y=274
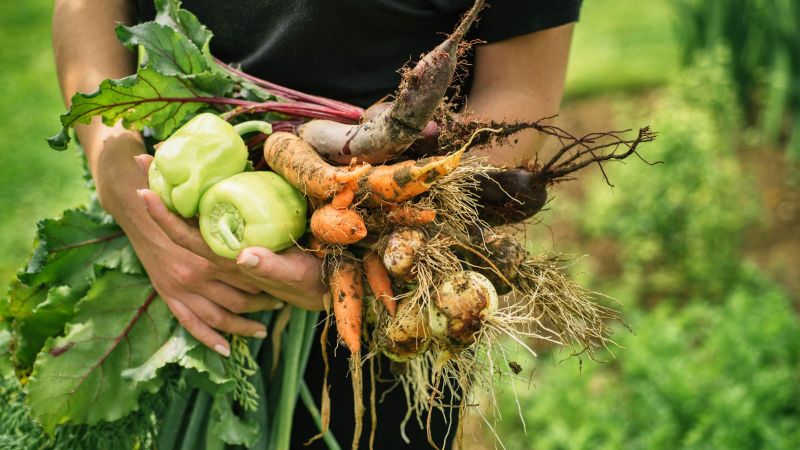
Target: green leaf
x=70 y=248
x=147 y=99
x=77 y=378
x=65 y=262
x=171 y=53
x=168 y=51
x=38 y=314
x=229 y=427
x=170 y=13
x=183 y=349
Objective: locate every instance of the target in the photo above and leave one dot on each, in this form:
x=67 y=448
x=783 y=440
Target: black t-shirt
x=352 y=50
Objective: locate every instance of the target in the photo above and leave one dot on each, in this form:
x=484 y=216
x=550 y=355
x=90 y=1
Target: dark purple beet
x=511 y=195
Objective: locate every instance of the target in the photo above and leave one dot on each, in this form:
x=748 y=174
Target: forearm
x=85 y=43
x=504 y=106
x=86 y=52
x=521 y=79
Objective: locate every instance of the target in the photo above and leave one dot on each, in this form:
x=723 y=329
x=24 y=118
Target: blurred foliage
x=714 y=359
x=36 y=181
x=619 y=46
x=763 y=37
x=679 y=225
x=707 y=376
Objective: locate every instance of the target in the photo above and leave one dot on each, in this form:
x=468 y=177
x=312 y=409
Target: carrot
x=402 y=181
x=378 y=280
x=411 y=215
x=317 y=247
x=337 y=226
x=344 y=198
x=391 y=132
x=348 y=294
x=303 y=168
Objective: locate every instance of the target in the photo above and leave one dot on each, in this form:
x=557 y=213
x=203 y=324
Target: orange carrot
x=304 y=169
x=411 y=215
x=402 y=181
x=344 y=198
x=348 y=294
x=337 y=226
x=316 y=247
x=378 y=280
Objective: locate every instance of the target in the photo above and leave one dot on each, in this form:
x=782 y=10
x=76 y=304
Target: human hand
x=293 y=275
x=204 y=299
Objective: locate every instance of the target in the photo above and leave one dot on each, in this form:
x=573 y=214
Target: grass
x=35 y=182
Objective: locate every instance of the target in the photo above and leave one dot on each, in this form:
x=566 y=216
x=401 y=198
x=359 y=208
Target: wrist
x=110 y=153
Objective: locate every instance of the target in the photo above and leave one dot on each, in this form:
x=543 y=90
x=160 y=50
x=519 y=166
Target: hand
x=294 y=276
x=202 y=296
x=204 y=299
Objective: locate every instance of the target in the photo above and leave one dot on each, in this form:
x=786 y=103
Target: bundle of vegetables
x=409 y=227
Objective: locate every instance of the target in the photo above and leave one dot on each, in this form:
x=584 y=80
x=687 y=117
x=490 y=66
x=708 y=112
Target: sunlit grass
x=35 y=182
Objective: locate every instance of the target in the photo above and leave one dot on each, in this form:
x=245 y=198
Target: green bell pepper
x=252 y=209
x=205 y=150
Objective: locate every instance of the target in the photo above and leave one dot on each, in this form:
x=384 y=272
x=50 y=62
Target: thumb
x=261 y=262
x=144 y=161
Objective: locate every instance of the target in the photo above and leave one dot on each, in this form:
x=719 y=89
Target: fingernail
x=222 y=350
x=260 y=334
x=139 y=161
x=279 y=305
x=140 y=193
x=248 y=260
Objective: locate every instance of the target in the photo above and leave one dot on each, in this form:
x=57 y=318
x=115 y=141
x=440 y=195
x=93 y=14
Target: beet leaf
x=77 y=378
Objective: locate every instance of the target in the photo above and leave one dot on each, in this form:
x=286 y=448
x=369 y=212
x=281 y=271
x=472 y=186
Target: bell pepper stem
x=251 y=126
x=226 y=234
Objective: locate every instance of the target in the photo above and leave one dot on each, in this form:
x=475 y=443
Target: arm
x=520 y=79
x=203 y=291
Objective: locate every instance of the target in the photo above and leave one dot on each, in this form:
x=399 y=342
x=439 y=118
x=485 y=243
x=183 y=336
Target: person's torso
x=350 y=50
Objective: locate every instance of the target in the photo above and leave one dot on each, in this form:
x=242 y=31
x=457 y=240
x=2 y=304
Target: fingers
x=186 y=235
x=240 y=302
x=197 y=328
x=237 y=280
x=267 y=264
x=144 y=161
x=220 y=319
x=293 y=275
x=174 y=226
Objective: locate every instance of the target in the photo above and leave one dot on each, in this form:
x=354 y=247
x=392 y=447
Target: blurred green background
x=702 y=251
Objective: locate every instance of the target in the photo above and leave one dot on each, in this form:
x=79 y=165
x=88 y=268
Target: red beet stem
x=345 y=108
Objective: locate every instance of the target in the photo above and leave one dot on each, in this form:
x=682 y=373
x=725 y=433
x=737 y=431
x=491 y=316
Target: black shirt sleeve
x=505 y=19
